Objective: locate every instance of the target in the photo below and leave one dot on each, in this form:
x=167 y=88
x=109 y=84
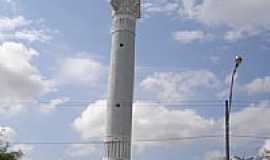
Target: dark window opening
x=121 y=45
x=117 y=105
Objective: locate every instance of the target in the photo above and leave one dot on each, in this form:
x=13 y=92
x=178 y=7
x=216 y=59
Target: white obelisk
x=121 y=78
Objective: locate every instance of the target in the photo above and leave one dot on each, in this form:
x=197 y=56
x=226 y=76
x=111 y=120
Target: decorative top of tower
x=130 y=7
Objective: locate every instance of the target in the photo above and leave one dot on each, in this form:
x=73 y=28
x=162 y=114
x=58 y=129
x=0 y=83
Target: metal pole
x=228 y=106
x=231 y=88
x=227 y=130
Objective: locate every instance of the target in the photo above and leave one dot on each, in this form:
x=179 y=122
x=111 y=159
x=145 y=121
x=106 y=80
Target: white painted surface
x=121 y=81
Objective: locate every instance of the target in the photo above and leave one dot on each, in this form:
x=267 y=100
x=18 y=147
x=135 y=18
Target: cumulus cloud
x=20 y=28
x=234 y=15
x=147 y=117
x=80 y=71
x=189 y=36
x=248 y=122
x=7 y=1
x=183 y=7
x=20 y=80
x=173 y=123
x=91 y=123
x=214 y=155
x=237 y=34
x=264 y=150
x=53 y=104
x=179 y=86
x=31 y=35
x=182 y=123
x=214 y=59
x=10 y=24
x=25 y=149
x=8 y=135
x=259 y=85
x=233 y=35
x=160 y=6
x=80 y=150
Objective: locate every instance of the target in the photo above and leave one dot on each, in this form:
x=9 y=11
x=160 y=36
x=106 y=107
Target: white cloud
x=80 y=150
x=237 y=34
x=214 y=59
x=8 y=1
x=91 y=123
x=7 y=134
x=53 y=104
x=187 y=8
x=19 y=80
x=189 y=36
x=21 y=29
x=179 y=86
x=167 y=122
x=234 y=35
x=214 y=155
x=264 y=151
x=235 y=15
x=230 y=14
x=159 y=6
x=32 y=35
x=80 y=71
x=226 y=88
x=27 y=35
x=173 y=123
x=242 y=121
x=25 y=149
x=11 y=24
x=259 y=85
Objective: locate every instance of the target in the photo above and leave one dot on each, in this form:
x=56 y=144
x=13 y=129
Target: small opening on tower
x=117 y=105
x=121 y=45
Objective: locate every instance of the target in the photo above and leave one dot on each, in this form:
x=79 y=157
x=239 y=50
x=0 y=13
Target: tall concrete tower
x=120 y=99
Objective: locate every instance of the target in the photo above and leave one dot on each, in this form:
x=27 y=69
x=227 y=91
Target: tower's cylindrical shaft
x=120 y=98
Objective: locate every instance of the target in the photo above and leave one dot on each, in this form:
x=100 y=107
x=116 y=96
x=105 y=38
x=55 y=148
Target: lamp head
x=238 y=60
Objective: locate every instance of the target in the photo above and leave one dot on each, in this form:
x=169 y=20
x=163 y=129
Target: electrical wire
x=138 y=141
x=139 y=104
x=241 y=101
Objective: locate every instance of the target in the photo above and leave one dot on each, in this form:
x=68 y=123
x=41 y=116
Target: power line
x=208 y=104
x=251 y=137
x=241 y=101
x=211 y=106
x=153 y=106
x=137 y=141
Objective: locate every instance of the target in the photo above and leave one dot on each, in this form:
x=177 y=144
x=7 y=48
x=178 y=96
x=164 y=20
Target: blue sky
x=54 y=59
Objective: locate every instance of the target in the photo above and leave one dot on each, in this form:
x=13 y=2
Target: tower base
x=117 y=149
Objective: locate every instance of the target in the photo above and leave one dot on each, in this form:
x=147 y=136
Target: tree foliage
x=6 y=155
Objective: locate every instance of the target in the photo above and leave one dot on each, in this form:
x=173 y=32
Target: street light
x=238 y=60
x=228 y=105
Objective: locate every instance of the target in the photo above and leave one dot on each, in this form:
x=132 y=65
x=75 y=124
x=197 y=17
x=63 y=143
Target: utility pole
x=227 y=130
x=228 y=107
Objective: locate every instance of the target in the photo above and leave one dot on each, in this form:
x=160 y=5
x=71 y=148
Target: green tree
x=6 y=155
